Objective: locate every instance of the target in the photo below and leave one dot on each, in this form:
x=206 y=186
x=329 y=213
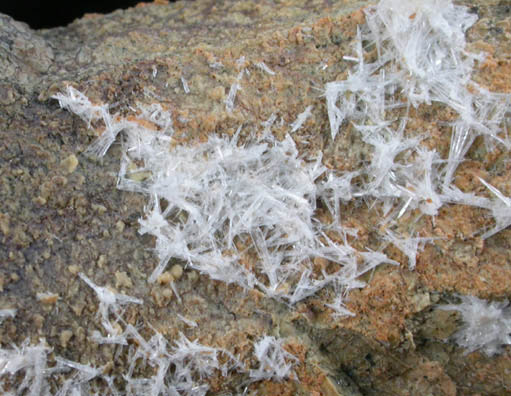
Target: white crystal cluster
x=486 y=325
x=421 y=59
x=260 y=197
x=226 y=201
x=180 y=369
x=275 y=362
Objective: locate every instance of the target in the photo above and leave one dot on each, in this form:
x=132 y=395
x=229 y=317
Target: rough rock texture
x=60 y=213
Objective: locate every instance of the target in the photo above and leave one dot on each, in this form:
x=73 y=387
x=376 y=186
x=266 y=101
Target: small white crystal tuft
x=486 y=325
x=302 y=117
x=501 y=210
x=275 y=363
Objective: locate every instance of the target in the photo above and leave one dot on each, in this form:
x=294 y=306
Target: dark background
x=41 y=14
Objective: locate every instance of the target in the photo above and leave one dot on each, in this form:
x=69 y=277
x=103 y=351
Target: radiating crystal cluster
x=486 y=325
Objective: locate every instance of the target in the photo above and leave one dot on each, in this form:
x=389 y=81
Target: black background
x=41 y=14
